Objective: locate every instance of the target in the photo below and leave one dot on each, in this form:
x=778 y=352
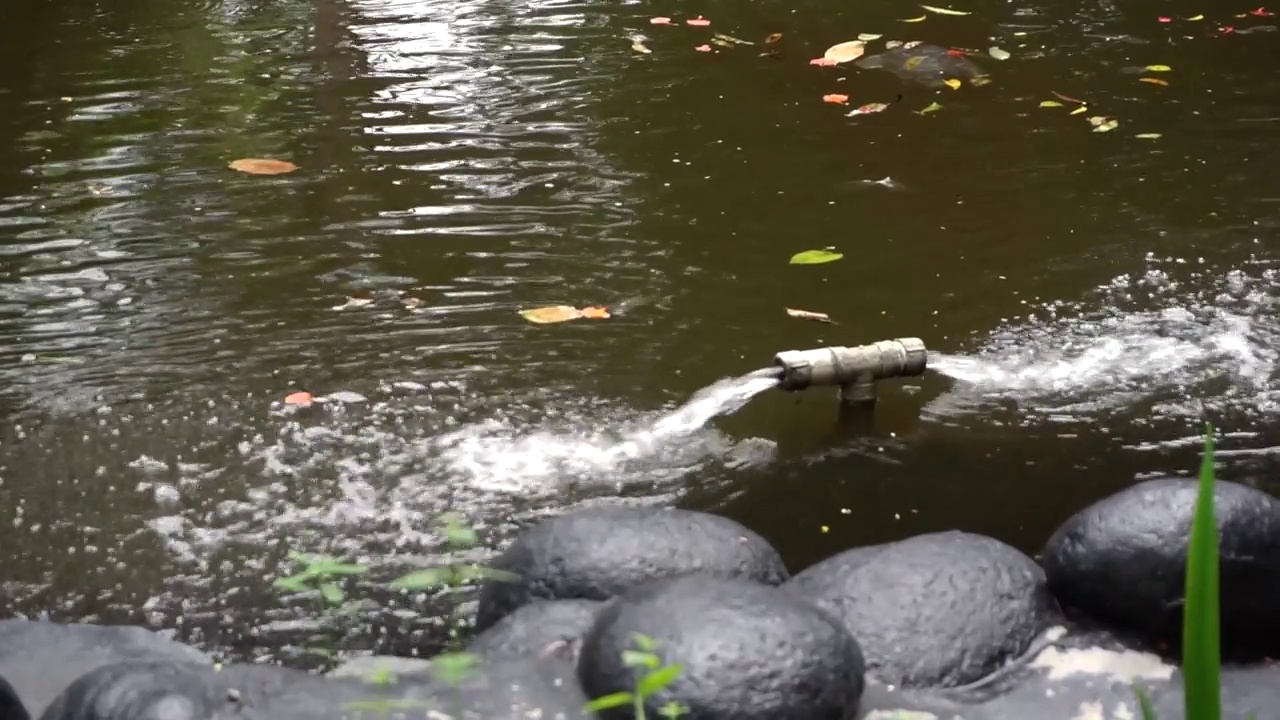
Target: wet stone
x=936 y=610
x=927 y=64
x=540 y=629
x=599 y=553
x=1121 y=561
x=748 y=651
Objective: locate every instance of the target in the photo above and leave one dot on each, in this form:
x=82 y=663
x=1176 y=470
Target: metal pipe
x=857 y=368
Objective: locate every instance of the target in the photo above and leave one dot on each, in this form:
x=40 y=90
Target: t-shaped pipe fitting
x=801 y=369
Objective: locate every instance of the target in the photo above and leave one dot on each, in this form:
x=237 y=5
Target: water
x=1088 y=299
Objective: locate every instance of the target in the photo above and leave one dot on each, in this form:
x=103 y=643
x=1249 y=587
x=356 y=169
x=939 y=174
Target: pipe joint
x=848 y=366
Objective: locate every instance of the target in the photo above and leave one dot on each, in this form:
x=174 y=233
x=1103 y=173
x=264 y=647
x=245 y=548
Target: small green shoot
x=1201 y=659
x=319 y=572
x=458 y=537
x=655 y=679
x=454 y=668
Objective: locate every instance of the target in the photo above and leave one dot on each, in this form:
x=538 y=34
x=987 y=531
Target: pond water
x=1089 y=298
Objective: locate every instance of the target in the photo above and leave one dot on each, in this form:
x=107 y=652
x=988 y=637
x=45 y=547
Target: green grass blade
x=1201 y=662
x=1144 y=702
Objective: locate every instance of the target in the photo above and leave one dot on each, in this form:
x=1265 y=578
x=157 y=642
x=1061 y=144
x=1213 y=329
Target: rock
x=935 y=610
x=11 y=707
x=1121 y=562
x=599 y=553
x=370 y=666
x=749 y=651
x=541 y=628
x=926 y=64
x=40 y=659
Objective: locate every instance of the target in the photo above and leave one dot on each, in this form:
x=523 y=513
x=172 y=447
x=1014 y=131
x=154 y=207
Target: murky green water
x=1098 y=294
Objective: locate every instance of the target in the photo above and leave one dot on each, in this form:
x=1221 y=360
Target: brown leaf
x=1154 y=81
x=772 y=38
x=807 y=315
x=258 y=166
x=1068 y=98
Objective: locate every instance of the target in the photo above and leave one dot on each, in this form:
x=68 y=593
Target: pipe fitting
x=901 y=357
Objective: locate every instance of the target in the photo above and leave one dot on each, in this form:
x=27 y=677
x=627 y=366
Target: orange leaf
x=298 y=398
x=836 y=98
x=595 y=313
x=660 y=21
x=703 y=48
x=824 y=62
x=553 y=314
x=258 y=166
x=772 y=38
x=1154 y=81
x=698 y=21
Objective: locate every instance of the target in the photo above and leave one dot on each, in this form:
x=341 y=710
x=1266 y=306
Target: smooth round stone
x=1121 y=561
x=599 y=553
x=539 y=629
x=748 y=651
x=936 y=610
x=11 y=707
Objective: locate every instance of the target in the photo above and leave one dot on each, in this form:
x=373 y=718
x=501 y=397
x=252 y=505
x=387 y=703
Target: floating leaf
x=952 y=83
x=1195 y=18
x=912 y=62
x=930 y=108
x=824 y=62
x=868 y=109
x=1103 y=124
x=1261 y=12
x=1050 y=104
x=998 y=53
x=868 y=37
x=891 y=44
x=1154 y=81
x=562 y=313
x=909 y=45
x=298 y=398
x=720 y=42
x=845 y=51
x=1068 y=98
x=772 y=38
x=640 y=47
x=915 y=19
x=660 y=21
x=1164 y=19
x=595 y=313
x=1158 y=68
x=703 y=48
x=259 y=166
x=944 y=11
x=1149 y=136
x=1079 y=110
x=732 y=39
x=807 y=315
x=836 y=98
x=979 y=80
x=698 y=21
x=815 y=257
x=353 y=303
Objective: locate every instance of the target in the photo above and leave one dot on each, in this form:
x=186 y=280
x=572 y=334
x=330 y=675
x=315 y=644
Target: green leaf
x=383 y=676
x=633 y=658
x=460 y=536
x=471 y=572
x=332 y=594
x=329 y=566
x=453 y=668
x=672 y=710
x=1050 y=103
x=1144 y=702
x=658 y=679
x=931 y=107
x=606 y=702
x=424 y=579
x=815 y=257
x=644 y=642
x=1201 y=662
x=293 y=583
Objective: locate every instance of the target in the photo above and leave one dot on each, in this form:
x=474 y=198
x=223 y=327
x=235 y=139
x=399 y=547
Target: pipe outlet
x=839 y=366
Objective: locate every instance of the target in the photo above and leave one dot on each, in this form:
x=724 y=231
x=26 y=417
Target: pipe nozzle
x=901 y=357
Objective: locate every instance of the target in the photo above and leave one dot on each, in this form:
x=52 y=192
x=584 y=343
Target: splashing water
x=1218 y=346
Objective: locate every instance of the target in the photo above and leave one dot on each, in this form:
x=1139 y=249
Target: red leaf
x=698 y=21
x=703 y=48
x=824 y=62
x=1227 y=30
x=955 y=52
x=836 y=98
x=298 y=398
x=1261 y=12
x=1164 y=18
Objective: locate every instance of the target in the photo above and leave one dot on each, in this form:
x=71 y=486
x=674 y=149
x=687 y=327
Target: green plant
x=321 y=573
x=458 y=537
x=1201 y=661
x=654 y=679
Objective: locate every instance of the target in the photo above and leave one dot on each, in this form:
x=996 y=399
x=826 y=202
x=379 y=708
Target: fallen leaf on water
x=815 y=257
x=911 y=44
x=915 y=19
x=410 y=303
x=824 y=62
x=595 y=312
x=1102 y=124
x=868 y=37
x=721 y=42
x=1261 y=12
x=640 y=48
x=1158 y=68
x=698 y=21
x=1068 y=98
x=1154 y=81
x=912 y=62
x=660 y=21
x=1050 y=104
x=1149 y=136
x=998 y=53
x=259 y=166
x=952 y=83
x=562 y=313
x=772 y=38
x=930 y=108
x=703 y=48
x=353 y=303
x=867 y=109
x=836 y=98
x=1164 y=18
x=979 y=80
x=732 y=39
x=1226 y=30
x=891 y=44
x=944 y=11
x=1079 y=110
x=807 y=315
x=298 y=398
x=1195 y=18
x=845 y=51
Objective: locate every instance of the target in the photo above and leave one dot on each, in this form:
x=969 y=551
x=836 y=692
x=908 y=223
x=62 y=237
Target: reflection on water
x=461 y=160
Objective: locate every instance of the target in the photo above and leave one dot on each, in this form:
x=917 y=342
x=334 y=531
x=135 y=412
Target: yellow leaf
x=825 y=529
x=944 y=11
x=258 y=166
x=952 y=83
x=1079 y=110
x=1148 y=136
x=1194 y=18
x=563 y=313
x=1158 y=68
x=1050 y=104
x=1154 y=81
x=912 y=62
x=868 y=37
x=916 y=19
x=807 y=315
x=1107 y=126
x=932 y=107
x=640 y=47
x=845 y=51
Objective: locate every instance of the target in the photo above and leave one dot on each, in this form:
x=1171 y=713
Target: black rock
x=748 y=651
x=935 y=610
x=11 y=707
x=1122 y=561
x=599 y=553
x=40 y=659
x=539 y=629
